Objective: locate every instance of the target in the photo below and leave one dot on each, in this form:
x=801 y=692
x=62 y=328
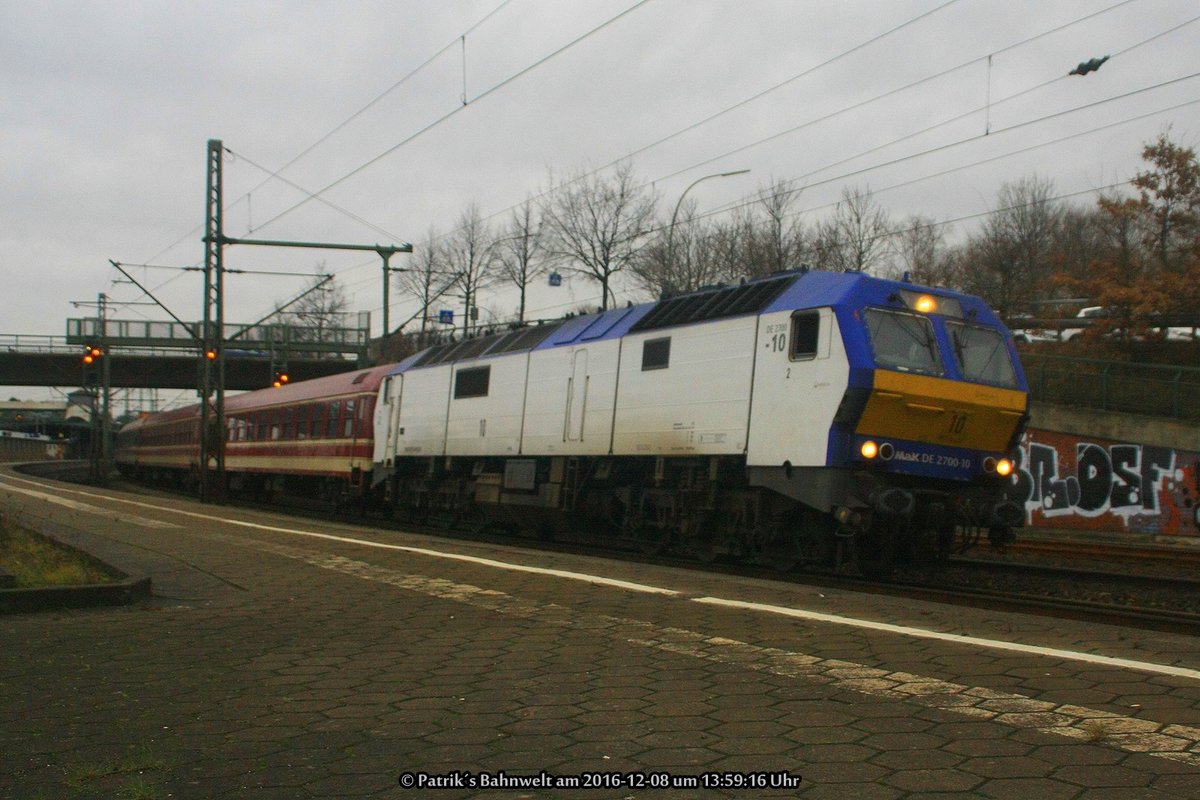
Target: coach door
x=577 y=386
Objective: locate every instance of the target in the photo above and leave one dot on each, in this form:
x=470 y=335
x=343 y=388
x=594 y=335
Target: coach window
x=289 y=423
x=806 y=332
x=262 y=426
x=656 y=354
x=472 y=382
x=349 y=429
x=275 y=425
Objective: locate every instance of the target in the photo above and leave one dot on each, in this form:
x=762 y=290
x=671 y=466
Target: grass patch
x=1095 y=730
x=36 y=561
x=122 y=776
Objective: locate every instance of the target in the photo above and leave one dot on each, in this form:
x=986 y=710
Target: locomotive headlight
x=926 y=304
x=1004 y=467
x=869 y=449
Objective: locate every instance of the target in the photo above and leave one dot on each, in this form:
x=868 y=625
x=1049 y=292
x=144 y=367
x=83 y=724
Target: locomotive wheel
x=705 y=548
x=653 y=541
x=876 y=551
x=784 y=555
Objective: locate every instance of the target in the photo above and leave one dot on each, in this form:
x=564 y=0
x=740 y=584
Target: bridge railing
x=345 y=333
x=1159 y=390
x=34 y=343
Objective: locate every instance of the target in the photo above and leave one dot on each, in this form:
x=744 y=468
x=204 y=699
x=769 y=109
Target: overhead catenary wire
x=758 y=95
x=828 y=166
x=989 y=104
x=343 y=124
x=315 y=195
x=457 y=110
x=855 y=48
x=750 y=200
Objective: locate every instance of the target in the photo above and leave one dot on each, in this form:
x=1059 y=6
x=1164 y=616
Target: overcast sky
x=107 y=108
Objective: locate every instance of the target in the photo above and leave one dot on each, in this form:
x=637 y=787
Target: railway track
x=1139 y=599
x=1104 y=551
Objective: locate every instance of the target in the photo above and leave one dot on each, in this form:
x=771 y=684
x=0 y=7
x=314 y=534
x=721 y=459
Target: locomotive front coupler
x=892 y=501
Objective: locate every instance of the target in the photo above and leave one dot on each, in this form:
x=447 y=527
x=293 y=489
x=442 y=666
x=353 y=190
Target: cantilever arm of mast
x=389 y=249
x=186 y=326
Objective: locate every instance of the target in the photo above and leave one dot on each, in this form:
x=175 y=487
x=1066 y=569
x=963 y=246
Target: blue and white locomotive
x=807 y=416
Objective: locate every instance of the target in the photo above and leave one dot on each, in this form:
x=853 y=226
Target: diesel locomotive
x=835 y=418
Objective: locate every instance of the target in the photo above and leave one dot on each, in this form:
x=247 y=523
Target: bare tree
x=597 y=226
x=319 y=312
x=426 y=280
x=779 y=235
x=1012 y=259
x=920 y=250
x=856 y=237
x=698 y=254
x=470 y=260
x=1081 y=237
x=521 y=256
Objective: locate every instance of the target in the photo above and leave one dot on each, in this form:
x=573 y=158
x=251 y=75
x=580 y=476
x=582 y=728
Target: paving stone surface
x=273 y=664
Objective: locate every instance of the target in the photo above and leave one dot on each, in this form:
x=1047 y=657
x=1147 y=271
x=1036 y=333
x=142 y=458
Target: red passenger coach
x=313 y=438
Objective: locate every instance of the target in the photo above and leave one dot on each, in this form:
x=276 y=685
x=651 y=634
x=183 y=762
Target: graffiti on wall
x=1067 y=481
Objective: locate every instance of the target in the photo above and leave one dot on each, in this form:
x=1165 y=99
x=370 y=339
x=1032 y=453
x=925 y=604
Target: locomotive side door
x=391 y=431
x=577 y=386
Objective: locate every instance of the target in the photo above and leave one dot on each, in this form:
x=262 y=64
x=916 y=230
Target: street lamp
x=675 y=214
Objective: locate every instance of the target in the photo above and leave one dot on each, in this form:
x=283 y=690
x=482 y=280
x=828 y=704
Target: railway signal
x=91 y=353
x=281 y=379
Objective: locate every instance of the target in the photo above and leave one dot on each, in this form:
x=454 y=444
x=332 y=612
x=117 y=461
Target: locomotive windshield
x=903 y=341
x=981 y=354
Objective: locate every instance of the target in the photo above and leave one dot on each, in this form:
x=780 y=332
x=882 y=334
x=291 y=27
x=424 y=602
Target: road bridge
x=166 y=355
x=56 y=361
x=162 y=371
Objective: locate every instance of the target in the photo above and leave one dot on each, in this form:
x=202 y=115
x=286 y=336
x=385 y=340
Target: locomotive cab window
x=806 y=333
x=903 y=341
x=656 y=354
x=472 y=382
x=981 y=354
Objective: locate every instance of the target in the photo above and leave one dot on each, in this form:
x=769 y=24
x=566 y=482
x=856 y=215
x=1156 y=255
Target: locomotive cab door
x=391 y=432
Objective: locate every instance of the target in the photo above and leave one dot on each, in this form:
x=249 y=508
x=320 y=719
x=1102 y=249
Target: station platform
x=285 y=658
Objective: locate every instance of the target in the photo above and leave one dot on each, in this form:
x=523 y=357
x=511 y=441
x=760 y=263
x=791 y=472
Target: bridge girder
x=157 y=372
